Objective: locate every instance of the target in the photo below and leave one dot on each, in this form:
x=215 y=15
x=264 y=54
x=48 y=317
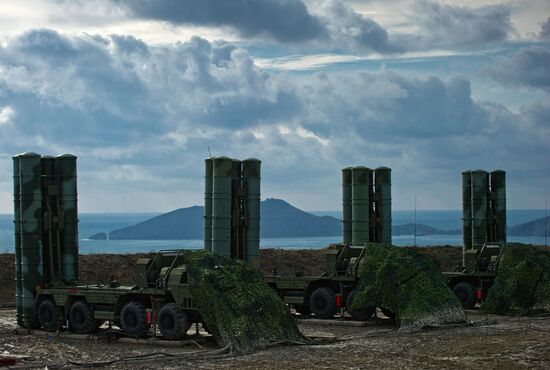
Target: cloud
x=529 y=67
x=6 y=115
x=351 y=30
x=444 y=25
x=545 y=30
x=143 y=117
x=281 y=20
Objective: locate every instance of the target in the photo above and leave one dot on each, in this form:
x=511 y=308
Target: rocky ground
x=494 y=342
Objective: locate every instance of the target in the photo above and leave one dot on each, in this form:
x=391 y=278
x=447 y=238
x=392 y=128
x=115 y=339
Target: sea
x=91 y=223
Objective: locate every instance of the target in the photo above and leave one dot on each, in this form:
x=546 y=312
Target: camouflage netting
x=522 y=283
x=237 y=305
x=407 y=284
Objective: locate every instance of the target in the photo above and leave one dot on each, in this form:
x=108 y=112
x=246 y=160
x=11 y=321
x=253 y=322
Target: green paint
x=346 y=206
x=252 y=179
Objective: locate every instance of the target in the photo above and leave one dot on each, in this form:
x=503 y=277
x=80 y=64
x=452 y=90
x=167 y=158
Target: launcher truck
x=367 y=219
x=484 y=234
x=160 y=297
x=48 y=294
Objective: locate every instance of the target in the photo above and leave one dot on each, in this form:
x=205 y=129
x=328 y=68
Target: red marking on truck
x=6 y=361
x=338 y=300
x=479 y=293
x=148 y=317
x=73 y=291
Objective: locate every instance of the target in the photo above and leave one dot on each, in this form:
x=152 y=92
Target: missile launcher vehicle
x=366 y=206
x=329 y=293
x=160 y=298
x=484 y=234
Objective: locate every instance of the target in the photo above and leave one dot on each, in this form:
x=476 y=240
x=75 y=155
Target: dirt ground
x=490 y=342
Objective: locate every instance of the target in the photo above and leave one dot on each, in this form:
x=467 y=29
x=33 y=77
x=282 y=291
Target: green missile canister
x=68 y=224
x=480 y=201
x=382 y=177
x=361 y=183
x=221 y=206
x=208 y=172
x=346 y=206
x=32 y=268
x=237 y=226
x=50 y=192
x=17 y=239
x=467 y=210
x=498 y=188
x=252 y=177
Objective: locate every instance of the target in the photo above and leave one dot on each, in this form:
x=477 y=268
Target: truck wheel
x=49 y=316
x=133 y=319
x=322 y=303
x=466 y=294
x=302 y=309
x=81 y=318
x=360 y=315
x=389 y=314
x=173 y=321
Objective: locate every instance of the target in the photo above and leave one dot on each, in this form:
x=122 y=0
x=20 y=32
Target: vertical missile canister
x=252 y=177
x=221 y=206
x=17 y=238
x=237 y=227
x=480 y=201
x=68 y=223
x=467 y=209
x=498 y=188
x=50 y=194
x=32 y=268
x=382 y=177
x=360 y=204
x=208 y=172
x=346 y=205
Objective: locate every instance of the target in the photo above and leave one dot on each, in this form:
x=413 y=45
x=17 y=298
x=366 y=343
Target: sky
x=142 y=91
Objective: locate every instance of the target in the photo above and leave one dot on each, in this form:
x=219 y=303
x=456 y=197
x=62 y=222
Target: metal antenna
x=545 y=221
x=415 y=220
x=209 y=153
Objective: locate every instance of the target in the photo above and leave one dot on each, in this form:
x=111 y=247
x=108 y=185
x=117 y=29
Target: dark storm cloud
x=456 y=26
x=281 y=20
x=545 y=30
x=529 y=67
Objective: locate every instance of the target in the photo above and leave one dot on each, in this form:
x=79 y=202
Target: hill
x=278 y=219
x=531 y=228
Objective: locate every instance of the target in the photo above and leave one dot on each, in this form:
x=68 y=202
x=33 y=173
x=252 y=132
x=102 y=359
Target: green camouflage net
x=407 y=284
x=238 y=307
x=522 y=283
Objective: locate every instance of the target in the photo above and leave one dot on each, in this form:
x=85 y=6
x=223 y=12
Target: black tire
x=173 y=321
x=359 y=315
x=49 y=316
x=302 y=309
x=389 y=314
x=322 y=303
x=81 y=318
x=133 y=319
x=466 y=294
